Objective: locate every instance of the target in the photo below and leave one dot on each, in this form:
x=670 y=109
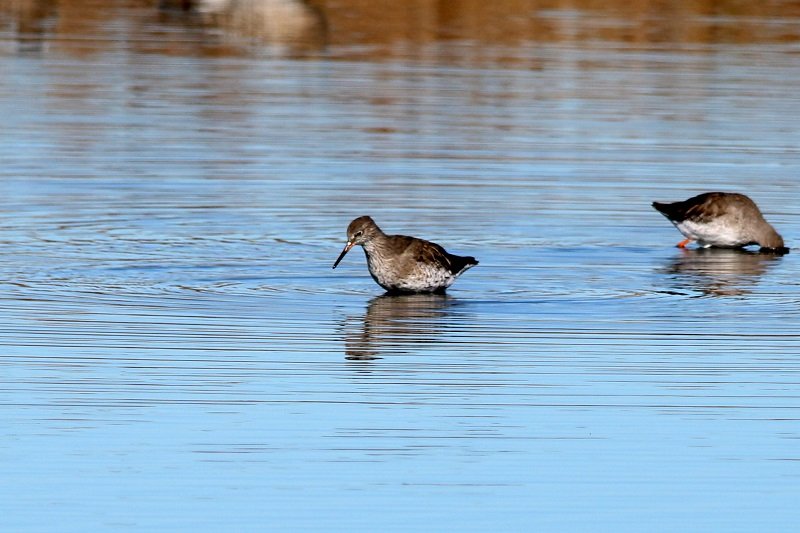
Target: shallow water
x=178 y=353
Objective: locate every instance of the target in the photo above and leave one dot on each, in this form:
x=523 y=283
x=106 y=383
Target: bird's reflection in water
x=395 y=324
x=719 y=271
x=292 y=26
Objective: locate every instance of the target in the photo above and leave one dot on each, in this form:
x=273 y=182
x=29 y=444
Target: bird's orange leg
x=683 y=243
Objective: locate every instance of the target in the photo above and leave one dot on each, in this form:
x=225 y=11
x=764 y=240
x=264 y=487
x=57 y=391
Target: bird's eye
x=358 y=234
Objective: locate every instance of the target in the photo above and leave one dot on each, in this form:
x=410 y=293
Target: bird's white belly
x=715 y=233
x=422 y=278
x=427 y=278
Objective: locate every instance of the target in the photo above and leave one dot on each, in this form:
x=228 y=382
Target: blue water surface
x=178 y=354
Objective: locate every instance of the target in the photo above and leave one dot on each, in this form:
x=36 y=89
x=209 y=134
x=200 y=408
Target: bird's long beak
x=346 y=249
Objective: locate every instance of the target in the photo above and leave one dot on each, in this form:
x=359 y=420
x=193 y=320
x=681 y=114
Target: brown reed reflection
x=390 y=28
x=395 y=324
x=378 y=29
x=719 y=271
x=28 y=21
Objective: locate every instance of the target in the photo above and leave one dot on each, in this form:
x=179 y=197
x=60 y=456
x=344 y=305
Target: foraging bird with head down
x=402 y=264
x=722 y=220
